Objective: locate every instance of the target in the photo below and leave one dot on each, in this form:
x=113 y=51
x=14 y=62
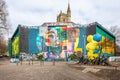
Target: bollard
x=21 y=62
x=40 y=62
x=32 y=61
x=28 y=62
x=53 y=62
x=116 y=68
x=17 y=63
x=43 y=63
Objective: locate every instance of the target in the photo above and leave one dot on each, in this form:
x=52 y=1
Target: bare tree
x=3 y=46
x=115 y=30
x=4 y=26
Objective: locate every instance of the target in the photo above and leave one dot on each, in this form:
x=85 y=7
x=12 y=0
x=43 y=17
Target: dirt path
x=60 y=71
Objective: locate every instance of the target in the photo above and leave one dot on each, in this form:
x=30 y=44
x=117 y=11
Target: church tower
x=64 y=17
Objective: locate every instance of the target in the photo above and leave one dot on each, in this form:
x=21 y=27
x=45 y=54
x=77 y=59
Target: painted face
x=73 y=34
x=50 y=38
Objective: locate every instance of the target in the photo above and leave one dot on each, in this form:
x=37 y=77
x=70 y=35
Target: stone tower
x=63 y=17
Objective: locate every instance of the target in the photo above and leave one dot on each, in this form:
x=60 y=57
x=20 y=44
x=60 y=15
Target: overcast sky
x=36 y=12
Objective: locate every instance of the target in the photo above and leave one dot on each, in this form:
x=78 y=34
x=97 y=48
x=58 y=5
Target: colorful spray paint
x=61 y=41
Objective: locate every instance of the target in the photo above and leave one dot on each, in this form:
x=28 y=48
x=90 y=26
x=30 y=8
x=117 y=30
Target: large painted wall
x=61 y=41
x=108 y=46
x=32 y=47
x=100 y=42
x=23 y=44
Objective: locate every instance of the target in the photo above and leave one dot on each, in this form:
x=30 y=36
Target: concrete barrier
x=114 y=61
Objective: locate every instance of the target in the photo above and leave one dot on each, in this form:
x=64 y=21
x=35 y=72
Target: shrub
x=40 y=56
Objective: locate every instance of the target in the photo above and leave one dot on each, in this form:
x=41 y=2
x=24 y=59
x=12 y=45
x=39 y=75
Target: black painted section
x=23 y=39
x=91 y=29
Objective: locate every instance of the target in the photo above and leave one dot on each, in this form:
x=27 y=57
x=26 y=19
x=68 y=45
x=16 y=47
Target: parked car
x=14 y=60
x=1 y=55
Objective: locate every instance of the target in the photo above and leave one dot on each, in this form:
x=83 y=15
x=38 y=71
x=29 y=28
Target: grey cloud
x=36 y=12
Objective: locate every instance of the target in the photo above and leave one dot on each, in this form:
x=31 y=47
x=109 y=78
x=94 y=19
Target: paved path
x=61 y=71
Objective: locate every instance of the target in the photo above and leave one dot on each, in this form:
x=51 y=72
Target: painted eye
x=51 y=36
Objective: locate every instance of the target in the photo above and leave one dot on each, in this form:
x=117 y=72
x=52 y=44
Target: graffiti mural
x=108 y=42
x=15 y=46
x=55 y=41
x=32 y=41
x=62 y=41
x=99 y=45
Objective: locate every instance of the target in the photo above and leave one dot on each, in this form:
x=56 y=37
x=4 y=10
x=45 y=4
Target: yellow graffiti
x=92 y=46
x=15 y=46
x=76 y=45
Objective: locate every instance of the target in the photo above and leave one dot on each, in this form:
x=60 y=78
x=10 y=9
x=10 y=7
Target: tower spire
x=68 y=10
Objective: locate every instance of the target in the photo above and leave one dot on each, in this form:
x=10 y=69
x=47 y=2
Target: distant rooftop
x=71 y=24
